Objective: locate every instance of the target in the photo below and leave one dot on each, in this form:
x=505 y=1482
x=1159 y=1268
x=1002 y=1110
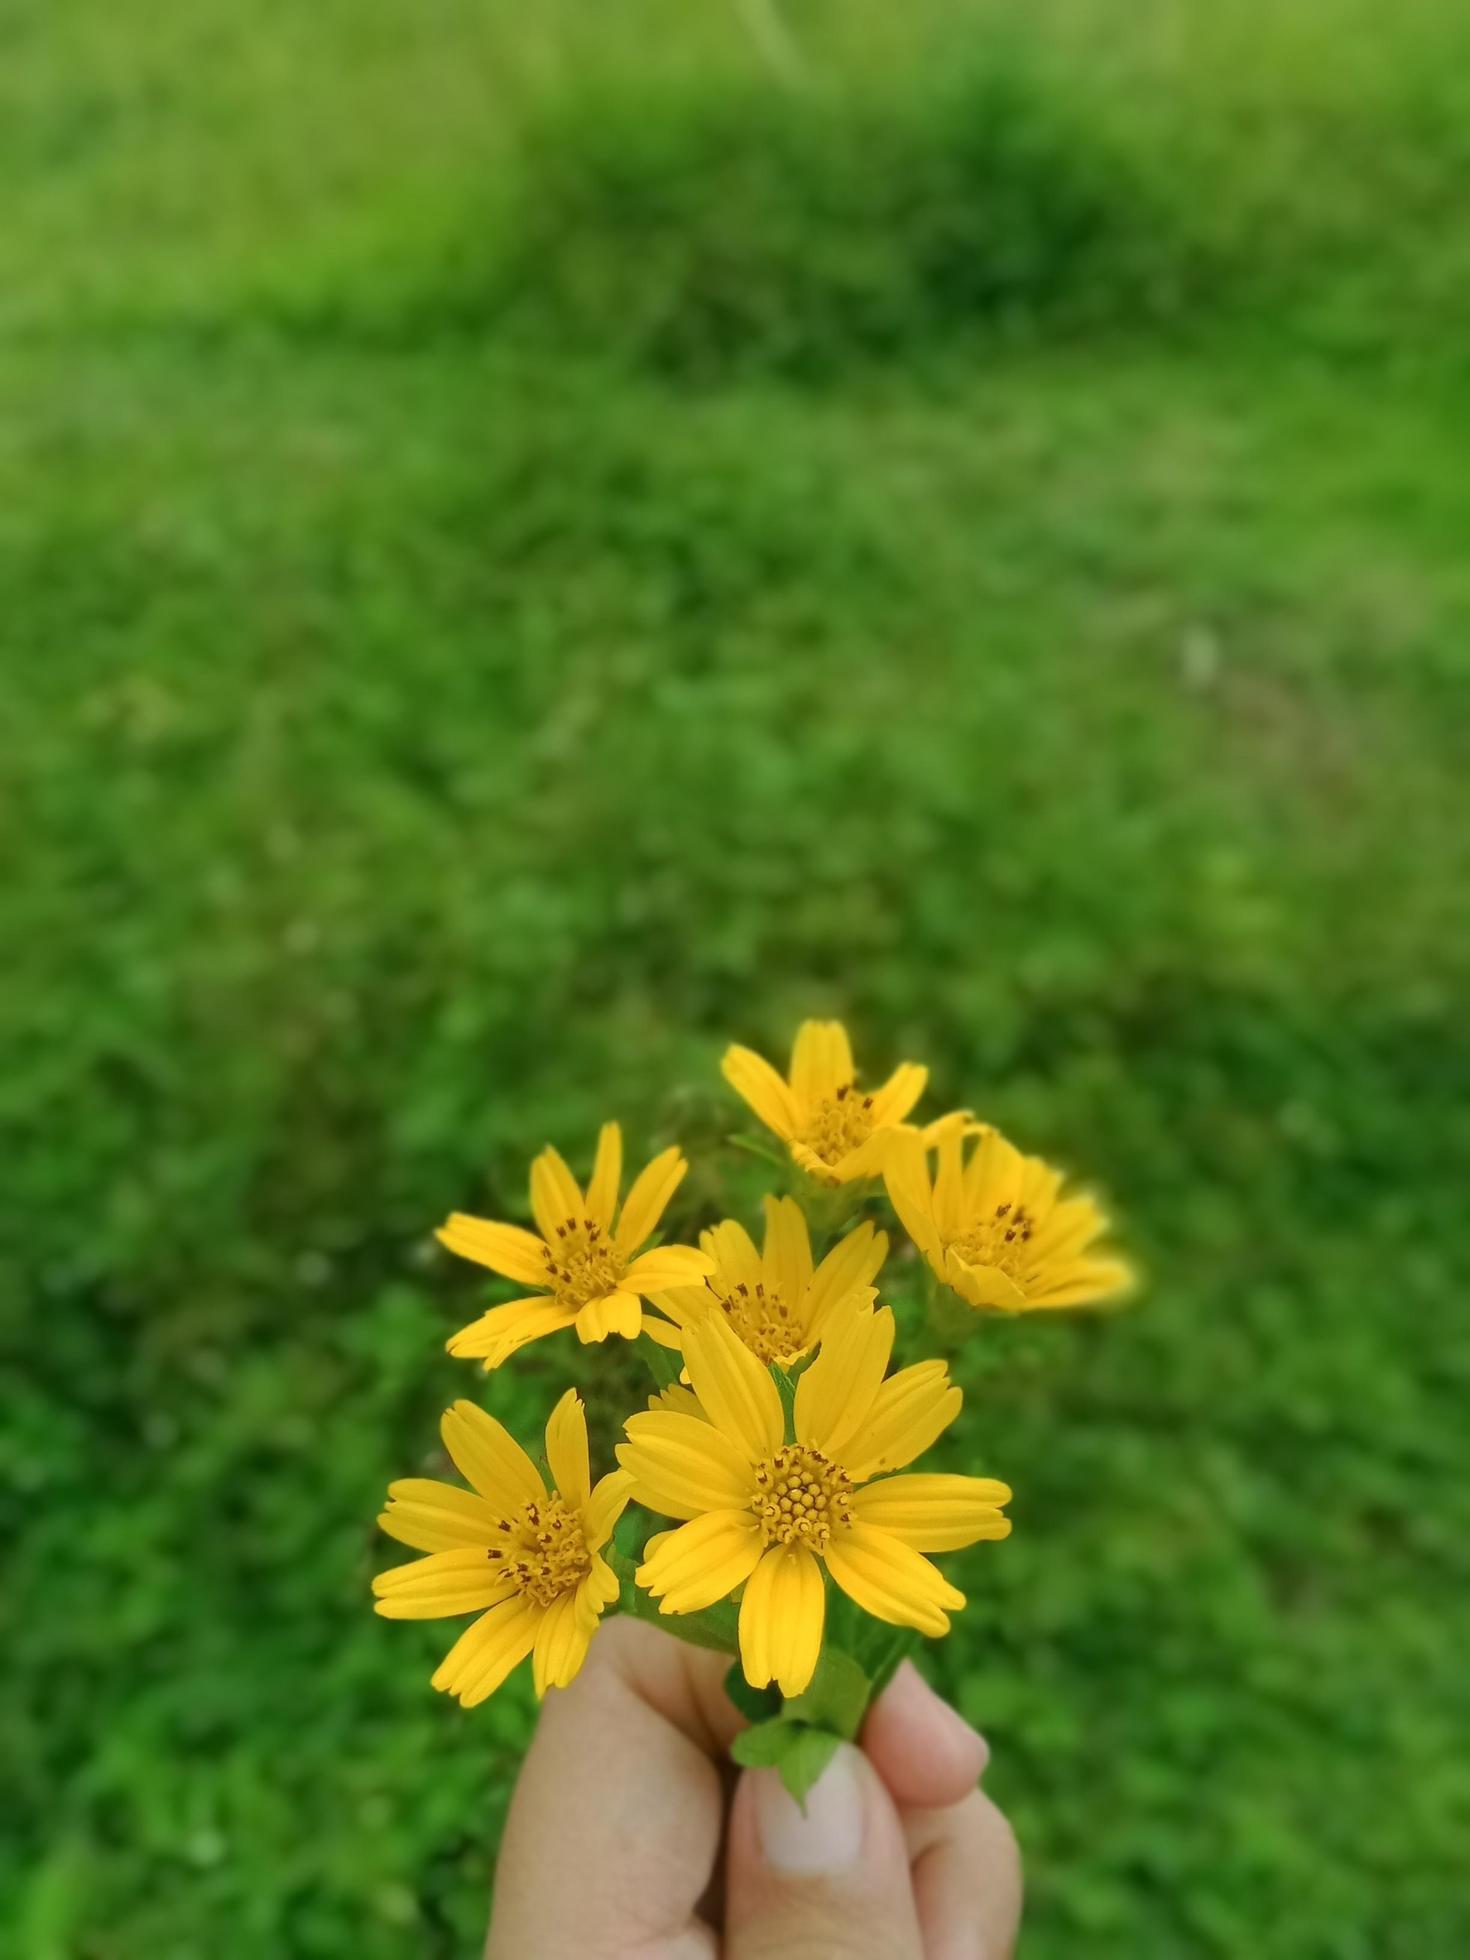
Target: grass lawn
x=523 y=562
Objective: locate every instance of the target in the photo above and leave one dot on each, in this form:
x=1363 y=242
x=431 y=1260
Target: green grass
x=494 y=609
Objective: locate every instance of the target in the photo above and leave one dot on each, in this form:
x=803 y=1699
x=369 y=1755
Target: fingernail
x=828 y=1835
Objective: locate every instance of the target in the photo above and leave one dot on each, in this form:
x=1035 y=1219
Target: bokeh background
x=537 y=540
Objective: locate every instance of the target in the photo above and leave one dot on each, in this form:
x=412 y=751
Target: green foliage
x=799 y=1753
x=428 y=733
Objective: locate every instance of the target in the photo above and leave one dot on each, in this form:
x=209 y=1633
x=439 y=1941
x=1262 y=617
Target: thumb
x=828 y=1883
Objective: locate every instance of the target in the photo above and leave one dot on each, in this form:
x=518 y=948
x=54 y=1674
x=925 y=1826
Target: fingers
x=926 y=1753
x=828 y=1883
x=967 y=1880
x=614 y=1828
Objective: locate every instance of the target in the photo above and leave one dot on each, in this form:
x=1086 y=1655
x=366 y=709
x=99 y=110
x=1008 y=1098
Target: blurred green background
x=538 y=540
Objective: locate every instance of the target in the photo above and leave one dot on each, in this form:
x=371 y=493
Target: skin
x=630 y=1837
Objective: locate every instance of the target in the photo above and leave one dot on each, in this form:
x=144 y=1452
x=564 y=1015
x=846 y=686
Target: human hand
x=632 y=1837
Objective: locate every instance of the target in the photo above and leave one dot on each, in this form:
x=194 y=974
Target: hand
x=613 y=1847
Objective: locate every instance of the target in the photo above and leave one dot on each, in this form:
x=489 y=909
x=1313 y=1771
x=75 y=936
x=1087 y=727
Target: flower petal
x=787 y=1264
x=781 y=1618
x=821 y=1061
x=733 y=1249
x=851 y=1265
x=442 y=1584
x=899 y=1093
x=835 y=1396
x=489 y=1457
x=982 y=1286
x=556 y=1196
x=566 y=1449
x=501 y=1332
x=614 y=1313
x=608 y=1501
x=702 y=1561
x=485 y=1653
x=752 y=1077
x=665 y=1266
x=435 y=1517
x=890 y=1580
x=504 y=1249
x=737 y=1392
x=562 y=1640
x=607 y=1172
x=909 y=1411
x=1083 y=1282
x=654 y=1185
x=683 y=1466
x=935 y=1513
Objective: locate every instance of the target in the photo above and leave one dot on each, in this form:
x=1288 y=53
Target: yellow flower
x=765 y=1513
x=529 y=1556
x=834 y=1131
x=996 y=1228
x=773 y=1299
x=588 y=1275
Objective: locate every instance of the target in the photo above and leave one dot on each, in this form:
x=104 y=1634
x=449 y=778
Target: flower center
x=581 y=1264
x=799 y=1496
x=764 y=1323
x=545 y=1550
x=838 y=1124
x=999 y=1241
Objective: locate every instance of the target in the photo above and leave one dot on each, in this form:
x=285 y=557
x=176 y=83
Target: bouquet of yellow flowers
x=774 y=1452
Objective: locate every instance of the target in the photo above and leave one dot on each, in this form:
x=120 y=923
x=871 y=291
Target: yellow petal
x=562 y=1640
x=835 y=1396
x=787 y=1264
x=752 y=1077
x=503 y=1248
x=442 y=1584
x=982 y=1286
x=607 y=1172
x=1082 y=1283
x=608 y=1501
x=485 y=1653
x=781 y=1619
x=666 y=1266
x=435 y=1517
x=821 y=1061
x=906 y=1174
x=683 y=1466
x=935 y=1513
x=566 y=1449
x=890 y=1580
x=678 y=1401
x=615 y=1313
x=852 y=1265
x=488 y=1456
x=909 y=1411
x=702 y=1561
x=600 y=1588
x=654 y=1185
x=735 y=1390
x=892 y=1103
x=503 y=1331
x=556 y=1196
x=949 y=1188
x=736 y=1259
x=667 y=1332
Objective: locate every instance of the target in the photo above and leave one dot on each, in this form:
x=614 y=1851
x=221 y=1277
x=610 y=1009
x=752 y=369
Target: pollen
x=838 y=1124
x=800 y=1496
x=582 y=1263
x=765 y=1323
x=544 y=1550
x=1002 y=1240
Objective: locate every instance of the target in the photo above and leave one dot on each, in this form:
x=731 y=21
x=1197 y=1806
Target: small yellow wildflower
x=765 y=1514
x=834 y=1131
x=528 y=1556
x=588 y=1275
x=996 y=1228
x=775 y=1300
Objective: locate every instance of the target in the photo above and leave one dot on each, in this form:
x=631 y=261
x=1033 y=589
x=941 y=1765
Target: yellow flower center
x=764 y=1322
x=799 y=1496
x=581 y=1264
x=546 y=1550
x=1000 y=1241
x=838 y=1124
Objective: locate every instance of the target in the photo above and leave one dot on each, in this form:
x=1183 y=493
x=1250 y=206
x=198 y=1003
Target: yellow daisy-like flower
x=997 y=1229
x=585 y=1266
x=765 y=1513
x=775 y=1300
x=529 y=1557
x=834 y=1131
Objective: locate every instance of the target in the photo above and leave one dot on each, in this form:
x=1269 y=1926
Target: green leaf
x=755 y=1704
x=798 y=1753
x=758 y=1147
x=879 y=1650
x=664 y=1364
x=838 y=1697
